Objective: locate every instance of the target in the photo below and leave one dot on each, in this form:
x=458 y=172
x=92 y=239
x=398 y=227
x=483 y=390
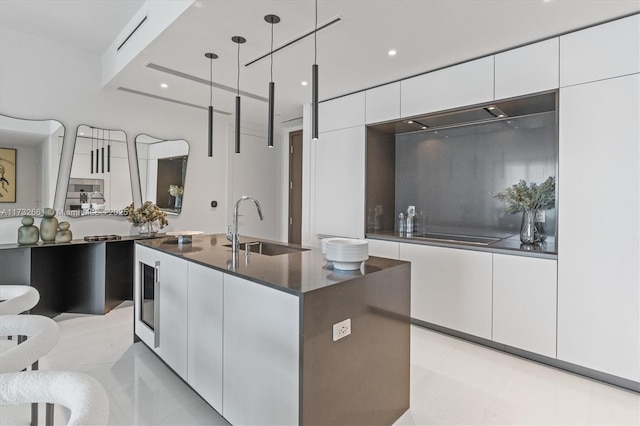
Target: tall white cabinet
x=599 y=226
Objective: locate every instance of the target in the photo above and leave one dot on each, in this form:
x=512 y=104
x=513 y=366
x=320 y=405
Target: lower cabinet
x=204 y=335
x=161 y=306
x=261 y=354
x=524 y=303
x=451 y=287
x=380 y=248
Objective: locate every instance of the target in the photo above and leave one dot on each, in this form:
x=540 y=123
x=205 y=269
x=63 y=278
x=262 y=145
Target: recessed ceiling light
x=81 y=134
x=164 y=85
x=410 y=122
x=424 y=127
x=392 y=52
x=491 y=108
x=500 y=115
x=304 y=83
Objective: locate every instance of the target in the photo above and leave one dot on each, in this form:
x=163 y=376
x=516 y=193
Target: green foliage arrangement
x=526 y=197
x=148 y=213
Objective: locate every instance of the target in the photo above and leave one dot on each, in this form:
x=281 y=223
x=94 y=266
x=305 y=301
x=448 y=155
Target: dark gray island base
x=362 y=378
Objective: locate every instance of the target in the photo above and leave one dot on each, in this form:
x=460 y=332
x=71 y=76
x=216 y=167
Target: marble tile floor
x=453 y=382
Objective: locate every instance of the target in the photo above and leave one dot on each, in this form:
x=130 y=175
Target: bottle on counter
x=402 y=225
x=409 y=225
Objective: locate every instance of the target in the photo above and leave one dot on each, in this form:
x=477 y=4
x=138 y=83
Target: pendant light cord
x=238 y=81
x=211 y=81
x=315 y=38
x=271 y=54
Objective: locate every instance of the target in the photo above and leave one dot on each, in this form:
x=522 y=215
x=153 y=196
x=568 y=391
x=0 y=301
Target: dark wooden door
x=295 y=187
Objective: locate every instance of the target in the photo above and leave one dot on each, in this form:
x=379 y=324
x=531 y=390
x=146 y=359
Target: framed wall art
x=8 y=175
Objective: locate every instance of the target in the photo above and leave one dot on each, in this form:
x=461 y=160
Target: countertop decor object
x=176 y=192
x=183 y=237
x=347 y=254
x=148 y=218
x=28 y=233
x=48 y=226
x=530 y=199
x=64 y=234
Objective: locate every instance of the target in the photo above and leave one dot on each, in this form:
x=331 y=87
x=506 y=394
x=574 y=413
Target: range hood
x=500 y=110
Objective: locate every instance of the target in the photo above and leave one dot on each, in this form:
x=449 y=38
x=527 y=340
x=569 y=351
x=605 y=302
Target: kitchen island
x=257 y=336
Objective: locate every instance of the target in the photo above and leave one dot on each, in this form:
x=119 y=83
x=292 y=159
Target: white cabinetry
x=261 y=354
x=524 y=303
x=529 y=69
x=340 y=182
x=339 y=113
x=604 y=51
x=383 y=103
x=205 y=333
x=450 y=287
x=460 y=85
x=380 y=248
x=599 y=226
x=168 y=338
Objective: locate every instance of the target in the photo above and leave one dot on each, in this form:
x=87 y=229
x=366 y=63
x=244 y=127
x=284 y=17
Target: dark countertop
x=75 y=242
x=510 y=245
x=295 y=273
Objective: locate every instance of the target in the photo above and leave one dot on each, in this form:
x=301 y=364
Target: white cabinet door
x=529 y=69
x=204 y=366
x=168 y=338
x=339 y=177
x=173 y=312
x=460 y=85
x=524 y=303
x=380 y=248
x=604 y=51
x=599 y=226
x=450 y=287
x=383 y=103
x=261 y=354
x=340 y=113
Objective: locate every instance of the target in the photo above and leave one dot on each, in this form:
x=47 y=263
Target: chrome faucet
x=232 y=230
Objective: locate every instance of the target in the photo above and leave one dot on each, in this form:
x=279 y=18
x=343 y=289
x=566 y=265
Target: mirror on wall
x=29 y=162
x=163 y=167
x=100 y=180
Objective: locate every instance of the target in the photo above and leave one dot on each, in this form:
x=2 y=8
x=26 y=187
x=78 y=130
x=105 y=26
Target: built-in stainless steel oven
x=78 y=192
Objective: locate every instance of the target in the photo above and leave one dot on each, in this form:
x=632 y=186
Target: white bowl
x=347 y=266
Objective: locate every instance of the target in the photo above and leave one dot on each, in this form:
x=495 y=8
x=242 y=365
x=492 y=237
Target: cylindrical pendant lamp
x=239 y=40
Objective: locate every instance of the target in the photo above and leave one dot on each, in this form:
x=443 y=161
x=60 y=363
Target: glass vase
x=148 y=229
x=529 y=233
x=177 y=204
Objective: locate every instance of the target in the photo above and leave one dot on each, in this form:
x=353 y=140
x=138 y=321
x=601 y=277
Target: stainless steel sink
x=470 y=239
x=269 y=248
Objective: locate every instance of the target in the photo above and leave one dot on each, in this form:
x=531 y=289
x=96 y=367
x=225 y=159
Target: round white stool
x=42 y=333
x=83 y=395
x=16 y=299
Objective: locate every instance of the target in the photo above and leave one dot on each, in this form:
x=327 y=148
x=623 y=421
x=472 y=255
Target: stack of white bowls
x=347 y=254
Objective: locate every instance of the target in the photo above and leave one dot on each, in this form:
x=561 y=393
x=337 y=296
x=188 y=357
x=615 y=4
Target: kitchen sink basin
x=269 y=248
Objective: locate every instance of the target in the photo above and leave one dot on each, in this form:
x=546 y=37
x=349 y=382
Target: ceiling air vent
x=132 y=33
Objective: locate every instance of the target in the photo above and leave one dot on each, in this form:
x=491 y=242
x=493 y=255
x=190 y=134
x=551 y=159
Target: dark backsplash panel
x=451 y=174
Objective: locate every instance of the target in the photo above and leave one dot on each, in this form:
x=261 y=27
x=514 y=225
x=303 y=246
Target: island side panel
x=362 y=378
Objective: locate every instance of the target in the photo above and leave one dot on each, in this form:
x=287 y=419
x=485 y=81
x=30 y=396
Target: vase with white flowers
x=530 y=199
x=176 y=192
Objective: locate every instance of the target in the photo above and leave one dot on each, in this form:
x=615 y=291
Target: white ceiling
x=352 y=55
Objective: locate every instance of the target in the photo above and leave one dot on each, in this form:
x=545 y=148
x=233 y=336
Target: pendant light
x=211 y=57
x=314 y=85
x=272 y=19
x=239 y=40
x=92 y=150
x=109 y=151
x=102 y=151
x=97 y=150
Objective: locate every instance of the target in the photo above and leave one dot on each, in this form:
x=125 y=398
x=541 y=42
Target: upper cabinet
x=163 y=167
x=340 y=113
x=100 y=179
x=605 y=51
x=383 y=103
x=528 y=69
x=29 y=161
x=460 y=85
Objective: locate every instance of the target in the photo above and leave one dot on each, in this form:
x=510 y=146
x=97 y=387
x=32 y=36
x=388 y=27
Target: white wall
x=68 y=89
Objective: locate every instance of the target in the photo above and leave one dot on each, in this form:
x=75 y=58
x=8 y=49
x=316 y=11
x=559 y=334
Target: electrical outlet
x=341 y=329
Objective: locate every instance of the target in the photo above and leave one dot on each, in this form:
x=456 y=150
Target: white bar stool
x=16 y=299
x=42 y=333
x=83 y=395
